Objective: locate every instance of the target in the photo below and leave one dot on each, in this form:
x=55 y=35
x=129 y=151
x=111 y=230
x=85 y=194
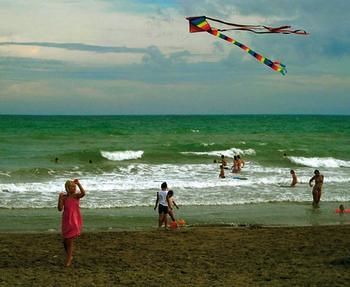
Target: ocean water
x=122 y=160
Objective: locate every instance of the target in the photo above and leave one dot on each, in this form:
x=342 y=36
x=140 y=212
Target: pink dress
x=71 y=218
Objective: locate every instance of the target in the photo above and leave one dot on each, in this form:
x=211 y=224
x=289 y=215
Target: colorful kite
x=200 y=24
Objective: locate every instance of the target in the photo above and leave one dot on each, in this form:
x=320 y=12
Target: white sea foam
x=122 y=155
x=229 y=153
x=325 y=162
x=194 y=184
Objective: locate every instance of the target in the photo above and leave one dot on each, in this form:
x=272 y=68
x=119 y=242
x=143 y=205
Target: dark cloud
x=153 y=55
x=155 y=68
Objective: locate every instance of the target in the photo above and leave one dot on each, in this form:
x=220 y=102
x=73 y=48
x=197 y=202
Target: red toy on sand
x=181 y=222
x=178 y=223
x=338 y=210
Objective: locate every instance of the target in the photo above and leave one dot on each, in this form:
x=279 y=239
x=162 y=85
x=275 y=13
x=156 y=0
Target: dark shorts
x=162 y=209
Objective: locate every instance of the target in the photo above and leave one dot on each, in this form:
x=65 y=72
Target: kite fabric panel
x=200 y=24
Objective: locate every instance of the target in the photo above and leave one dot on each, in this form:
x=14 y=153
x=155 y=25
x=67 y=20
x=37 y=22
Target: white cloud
x=125 y=56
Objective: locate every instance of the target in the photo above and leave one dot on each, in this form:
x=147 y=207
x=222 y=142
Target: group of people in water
x=237 y=165
x=317 y=178
x=316 y=188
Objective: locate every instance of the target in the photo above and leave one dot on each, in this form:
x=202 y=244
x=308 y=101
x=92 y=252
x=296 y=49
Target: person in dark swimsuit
x=317 y=188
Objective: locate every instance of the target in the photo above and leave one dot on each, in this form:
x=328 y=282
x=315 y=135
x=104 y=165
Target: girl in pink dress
x=71 y=217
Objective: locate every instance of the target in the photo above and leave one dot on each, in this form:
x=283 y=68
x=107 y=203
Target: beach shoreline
x=190 y=256
x=146 y=218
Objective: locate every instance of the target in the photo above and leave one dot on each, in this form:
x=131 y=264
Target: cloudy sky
x=137 y=57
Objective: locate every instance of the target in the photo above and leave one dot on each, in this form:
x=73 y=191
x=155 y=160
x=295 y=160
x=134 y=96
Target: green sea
x=122 y=160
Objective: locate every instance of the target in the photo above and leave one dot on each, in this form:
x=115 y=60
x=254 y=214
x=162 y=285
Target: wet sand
x=141 y=218
x=192 y=256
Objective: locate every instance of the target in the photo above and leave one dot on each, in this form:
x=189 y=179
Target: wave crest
x=229 y=153
x=122 y=155
x=329 y=162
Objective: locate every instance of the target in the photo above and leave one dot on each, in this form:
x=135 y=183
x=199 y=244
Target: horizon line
x=142 y=115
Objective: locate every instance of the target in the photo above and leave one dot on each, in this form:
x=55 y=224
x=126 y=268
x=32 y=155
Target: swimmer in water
x=222 y=172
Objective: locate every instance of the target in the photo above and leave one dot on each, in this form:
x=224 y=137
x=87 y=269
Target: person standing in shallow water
x=317 y=188
x=240 y=163
x=222 y=172
x=223 y=161
x=294 y=178
x=235 y=163
x=163 y=204
x=172 y=202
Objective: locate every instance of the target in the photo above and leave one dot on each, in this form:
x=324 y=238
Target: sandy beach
x=191 y=256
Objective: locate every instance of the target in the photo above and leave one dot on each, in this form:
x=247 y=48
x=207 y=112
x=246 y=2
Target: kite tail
x=276 y=66
x=258 y=29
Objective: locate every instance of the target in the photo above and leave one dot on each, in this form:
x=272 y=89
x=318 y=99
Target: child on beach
x=71 y=217
x=163 y=204
x=172 y=203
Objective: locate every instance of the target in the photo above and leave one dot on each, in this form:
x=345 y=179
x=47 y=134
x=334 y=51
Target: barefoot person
x=294 y=178
x=317 y=188
x=71 y=217
x=172 y=204
x=163 y=204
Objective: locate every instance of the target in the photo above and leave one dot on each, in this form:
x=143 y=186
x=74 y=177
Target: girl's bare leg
x=318 y=196
x=171 y=214
x=165 y=220
x=69 y=251
x=314 y=197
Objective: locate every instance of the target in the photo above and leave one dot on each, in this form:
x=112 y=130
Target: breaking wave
x=229 y=153
x=327 y=162
x=122 y=155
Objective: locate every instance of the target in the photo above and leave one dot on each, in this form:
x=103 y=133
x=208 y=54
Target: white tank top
x=162 y=197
